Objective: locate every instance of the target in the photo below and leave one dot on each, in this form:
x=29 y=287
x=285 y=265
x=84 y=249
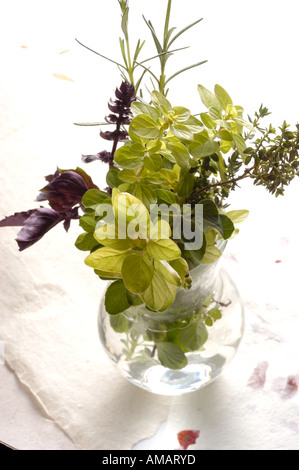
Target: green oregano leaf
x=171 y=356
x=107 y=259
x=120 y=323
x=86 y=242
x=163 y=249
x=116 y=300
x=94 y=197
x=137 y=272
x=193 y=336
x=88 y=222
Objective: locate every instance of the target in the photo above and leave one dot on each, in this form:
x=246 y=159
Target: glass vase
x=207 y=322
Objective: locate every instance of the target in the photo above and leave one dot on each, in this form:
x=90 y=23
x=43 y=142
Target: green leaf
x=120 y=323
x=152 y=30
x=237 y=216
x=210 y=210
x=116 y=300
x=225 y=226
x=107 y=259
x=88 y=222
x=194 y=336
x=223 y=96
x=107 y=275
x=143 y=108
x=160 y=294
x=180 y=154
x=144 y=126
x=215 y=313
x=208 y=121
x=211 y=255
x=127 y=157
x=212 y=219
x=171 y=356
x=193 y=124
x=186 y=183
x=183 y=31
x=165 y=270
x=181 y=114
x=86 y=242
x=107 y=235
x=153 y=162
x=134 y=299
x=112 y=178
x=153 y=146
x=185 y=70
x=208 y=98
x=160 y=101
x=163 y=249
x=181 y=132
x=197 y=255
x=225 y=146
x=94 y=197
x=127 y=176
x=128 y=206
x=225 y=135
x=215 y=113
x=159 y=229
x=240 y=144
x=180 y=265
x=167 y=196
x=101 y=55
x=204 y=150
x=145 y=194
x=137 y=272
x=124 y=23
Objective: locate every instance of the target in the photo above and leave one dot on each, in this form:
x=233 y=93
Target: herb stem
x=246 y=174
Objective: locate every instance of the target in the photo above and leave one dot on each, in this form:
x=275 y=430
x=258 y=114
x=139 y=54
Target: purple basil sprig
x=121 y=109
x=40 y=222
x=64 y=193
x=37 y=222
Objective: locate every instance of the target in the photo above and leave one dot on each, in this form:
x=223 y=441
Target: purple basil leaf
x=65 y=191
x=16 y=220
x=70 y=215
x=36 y=226
x=50 y=178
x=67 y=224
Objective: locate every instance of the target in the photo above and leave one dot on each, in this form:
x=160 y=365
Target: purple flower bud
x=120 y=136
x=103 y=156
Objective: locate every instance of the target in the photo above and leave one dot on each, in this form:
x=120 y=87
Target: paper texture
x=51 y=343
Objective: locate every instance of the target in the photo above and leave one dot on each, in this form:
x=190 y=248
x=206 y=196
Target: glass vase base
x=197 y=374
x=137 y=358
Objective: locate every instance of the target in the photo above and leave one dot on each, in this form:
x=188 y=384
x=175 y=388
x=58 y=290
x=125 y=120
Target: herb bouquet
x=170 y=318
